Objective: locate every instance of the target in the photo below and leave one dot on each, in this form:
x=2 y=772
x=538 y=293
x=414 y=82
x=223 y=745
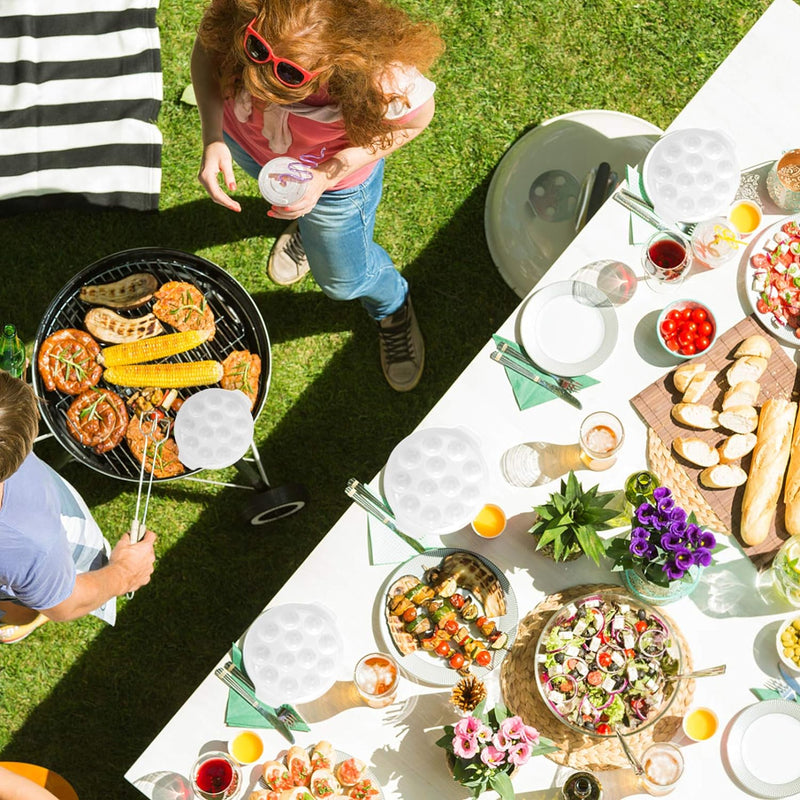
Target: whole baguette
x=791 y=494
x=770 y=456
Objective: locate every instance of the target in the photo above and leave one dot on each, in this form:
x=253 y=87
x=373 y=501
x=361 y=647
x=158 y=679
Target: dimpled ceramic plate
x=568 y=328
x=758 y=761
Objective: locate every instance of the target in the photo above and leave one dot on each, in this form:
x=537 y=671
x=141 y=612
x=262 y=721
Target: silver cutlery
x=640 y=207
x=565 y=383
x=226 y=676
x=789 y=678
x=783 y=689
x=362 y=497
x=287 y=715
x=699 y=673
x=526 y=372
x=634 y=762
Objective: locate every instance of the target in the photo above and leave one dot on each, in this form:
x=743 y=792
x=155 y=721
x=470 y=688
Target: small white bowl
x=787 y=662
x=255 y=739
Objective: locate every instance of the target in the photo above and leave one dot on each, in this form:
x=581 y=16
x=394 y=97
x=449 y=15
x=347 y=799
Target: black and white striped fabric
x=80 y=89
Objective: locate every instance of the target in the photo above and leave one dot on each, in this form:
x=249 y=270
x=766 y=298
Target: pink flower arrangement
x=486 y=748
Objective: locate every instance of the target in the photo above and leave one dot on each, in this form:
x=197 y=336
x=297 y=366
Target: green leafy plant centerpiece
x=566 y=526
x=485 y=748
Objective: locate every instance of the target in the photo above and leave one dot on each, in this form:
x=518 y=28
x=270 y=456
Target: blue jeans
x=337 y=234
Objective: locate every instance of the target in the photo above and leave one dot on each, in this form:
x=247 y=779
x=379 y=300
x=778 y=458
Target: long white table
x=398 y=742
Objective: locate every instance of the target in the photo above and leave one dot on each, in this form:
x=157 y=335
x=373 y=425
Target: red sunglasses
x=259 y=52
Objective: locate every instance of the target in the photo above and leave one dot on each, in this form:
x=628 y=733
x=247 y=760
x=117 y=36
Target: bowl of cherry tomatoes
x=686 y=328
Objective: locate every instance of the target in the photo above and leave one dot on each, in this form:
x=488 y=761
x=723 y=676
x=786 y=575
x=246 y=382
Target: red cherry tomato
x=688 y=350
x=672 y=344
x=690 y=326
x=797 y=333
x=443 y=649
x=483 y=658
x=702 y=343
x=603 y=729
x=705 y=328
x=451 y=626
x=761 y=306
x=630 y=652
x=594 y=678
x=685 y=339
x=481 y=621
x=457 y=661
x=410 y=614
x=675 y=315
x=686 y=314
x=604 y=659
x=699 y=315
x=457 y=601
x=668 y=326
x=641 y=625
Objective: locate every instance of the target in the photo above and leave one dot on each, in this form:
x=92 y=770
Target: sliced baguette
x=684 y=374
x=748 y=368
x=756 y=345
x=698 y=385
x=696 y=451
x=770 y=457
x=723 y=476
x=739 y=419
x=735 y=447
x=744 y=393
x=791 y=493
x=695 y=415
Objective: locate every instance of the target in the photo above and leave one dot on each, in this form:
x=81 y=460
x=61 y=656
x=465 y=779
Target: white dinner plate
x=782 y=332
x=568 y=328
x=429 y=667
x=760 y=766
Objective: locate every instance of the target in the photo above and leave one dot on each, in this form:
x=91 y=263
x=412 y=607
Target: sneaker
x=11 y=634
x=402 y=348
x=288 y=263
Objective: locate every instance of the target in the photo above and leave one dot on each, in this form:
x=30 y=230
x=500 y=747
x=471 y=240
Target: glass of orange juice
x=490 y=522
x=700 y=724
x=745 y=216
x=246 y=747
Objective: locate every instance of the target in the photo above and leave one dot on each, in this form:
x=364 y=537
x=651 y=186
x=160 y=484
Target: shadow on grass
x=220 y=572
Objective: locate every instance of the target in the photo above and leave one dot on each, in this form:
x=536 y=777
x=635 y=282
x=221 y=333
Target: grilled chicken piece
x=183 y=306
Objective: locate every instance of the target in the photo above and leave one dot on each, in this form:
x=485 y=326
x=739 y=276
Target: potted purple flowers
x=484 y=749
x=664 y=552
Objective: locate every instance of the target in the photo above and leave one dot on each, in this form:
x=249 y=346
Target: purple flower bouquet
x=664 y=543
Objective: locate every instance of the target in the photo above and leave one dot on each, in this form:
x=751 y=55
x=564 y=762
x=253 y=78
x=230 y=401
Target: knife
x=503 y=359
x=268 y=712
x=789 y=678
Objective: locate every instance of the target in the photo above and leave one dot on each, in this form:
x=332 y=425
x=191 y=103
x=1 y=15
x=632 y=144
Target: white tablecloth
x=758 y=75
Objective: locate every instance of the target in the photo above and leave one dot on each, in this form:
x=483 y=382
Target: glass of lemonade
x=376 y=679
x=601 y=436
x=663 y=767
x=785 y=571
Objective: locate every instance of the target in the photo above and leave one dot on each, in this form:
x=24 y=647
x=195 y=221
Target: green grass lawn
x=85 y=699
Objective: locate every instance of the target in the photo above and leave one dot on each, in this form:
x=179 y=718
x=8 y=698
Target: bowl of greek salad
x=604 y=663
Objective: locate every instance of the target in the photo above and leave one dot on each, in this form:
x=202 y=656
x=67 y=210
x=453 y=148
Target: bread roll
x=749 y=368
x=736 y=446
x=685 y=372
x=756 y=345
x=723 y=476
x=739 y=419
x=696 y=451
x=695 y=415
x=791 y=494
x=698 y=385
x=771 y=453
x=744 y=393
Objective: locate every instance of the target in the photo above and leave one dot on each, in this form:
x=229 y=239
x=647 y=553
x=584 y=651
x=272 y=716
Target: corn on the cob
x=166 y=376
x=151 y=349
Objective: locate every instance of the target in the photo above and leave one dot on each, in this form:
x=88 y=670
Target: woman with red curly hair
x=336 y=84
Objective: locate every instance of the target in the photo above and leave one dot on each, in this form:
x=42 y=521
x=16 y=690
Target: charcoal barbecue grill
x=240 y=326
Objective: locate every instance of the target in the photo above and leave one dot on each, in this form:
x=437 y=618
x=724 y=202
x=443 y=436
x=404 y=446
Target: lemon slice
x=793 y=557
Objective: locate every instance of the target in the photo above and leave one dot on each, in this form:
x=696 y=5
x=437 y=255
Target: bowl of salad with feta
x=603 y=663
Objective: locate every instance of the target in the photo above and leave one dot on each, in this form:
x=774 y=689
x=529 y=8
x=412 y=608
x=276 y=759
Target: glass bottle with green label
x=12 y=352
x=582 y=786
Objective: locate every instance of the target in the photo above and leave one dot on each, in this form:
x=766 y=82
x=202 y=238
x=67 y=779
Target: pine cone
x=468 y=693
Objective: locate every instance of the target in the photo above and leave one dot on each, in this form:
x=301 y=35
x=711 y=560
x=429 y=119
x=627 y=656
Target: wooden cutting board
x=655 y=403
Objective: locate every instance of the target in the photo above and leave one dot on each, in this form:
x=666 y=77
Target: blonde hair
x=352 y=44
x=19 y=423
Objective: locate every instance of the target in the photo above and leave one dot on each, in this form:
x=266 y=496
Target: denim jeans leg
x=242 y=157
x=344 y=259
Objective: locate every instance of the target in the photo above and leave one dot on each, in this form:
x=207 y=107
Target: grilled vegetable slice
x=166 y=376
x=108 y=326
x=152 y=349
x=129 y=292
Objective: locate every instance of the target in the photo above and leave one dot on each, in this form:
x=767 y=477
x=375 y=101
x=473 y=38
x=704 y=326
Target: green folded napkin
x=526 y=392
x=770 y=694
x=238 y=714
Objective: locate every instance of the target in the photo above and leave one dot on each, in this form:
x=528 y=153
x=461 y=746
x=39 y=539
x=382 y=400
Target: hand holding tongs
x=149 y=423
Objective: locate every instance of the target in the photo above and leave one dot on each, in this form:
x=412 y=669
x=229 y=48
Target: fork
x=783 y=689
x=565 y=383
x=283 y=712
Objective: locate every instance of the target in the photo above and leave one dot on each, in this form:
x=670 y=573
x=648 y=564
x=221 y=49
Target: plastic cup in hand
x=215 y=776
x=666 y=260
x=376 y=677
x=601 y=436
x=282 y=181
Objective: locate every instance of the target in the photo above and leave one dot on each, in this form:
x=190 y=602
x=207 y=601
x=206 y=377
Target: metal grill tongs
x=149 y=423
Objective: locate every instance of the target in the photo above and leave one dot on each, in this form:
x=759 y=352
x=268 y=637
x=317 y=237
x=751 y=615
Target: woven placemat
x=521 y=697
x=655 y=403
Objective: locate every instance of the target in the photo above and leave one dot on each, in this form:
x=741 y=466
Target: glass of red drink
x=666 y=260
x=215 y=776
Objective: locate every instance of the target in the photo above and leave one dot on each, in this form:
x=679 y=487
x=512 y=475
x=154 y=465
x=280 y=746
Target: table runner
x=80 y=86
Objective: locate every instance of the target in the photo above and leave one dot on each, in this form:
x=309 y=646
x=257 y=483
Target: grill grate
x=238 y=321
